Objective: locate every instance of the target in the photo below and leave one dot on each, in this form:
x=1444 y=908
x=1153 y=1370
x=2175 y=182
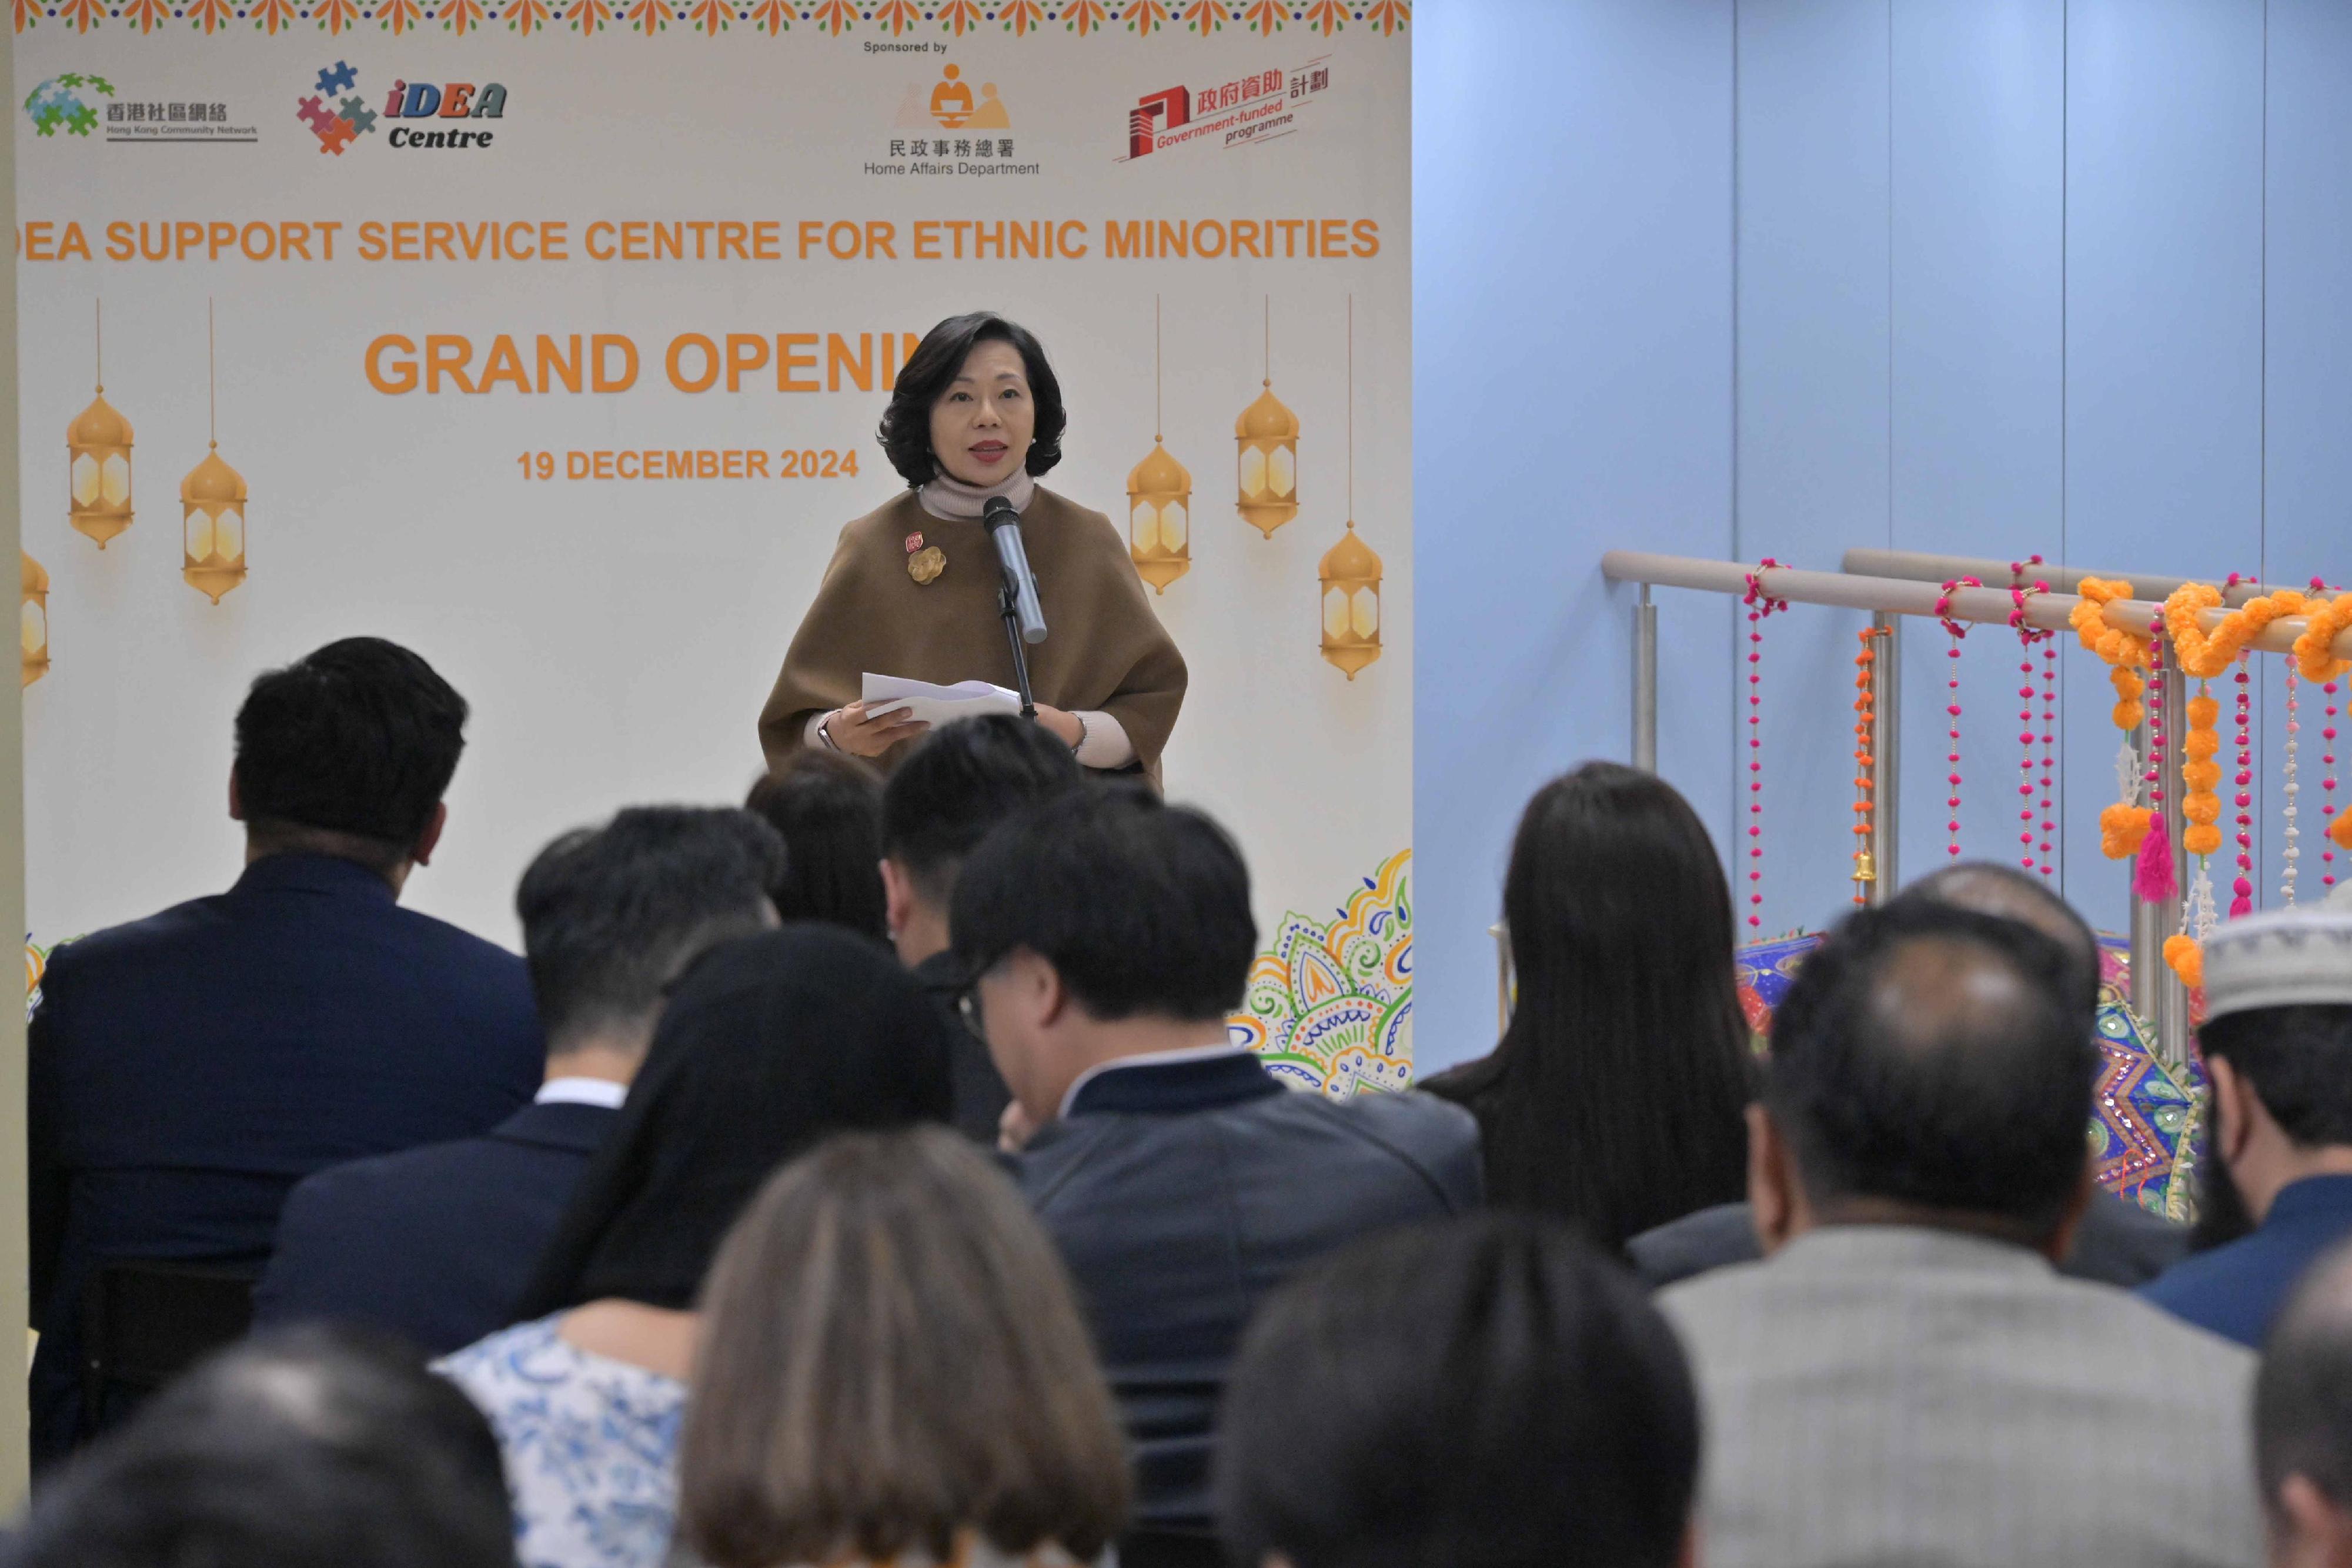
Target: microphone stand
x=1020 y=651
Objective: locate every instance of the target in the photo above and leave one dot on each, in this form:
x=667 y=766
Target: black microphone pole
x=1006 y=606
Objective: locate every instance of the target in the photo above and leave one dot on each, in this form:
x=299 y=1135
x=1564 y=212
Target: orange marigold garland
x=1866 y=808
x=2315 y=661
x=2123 y=825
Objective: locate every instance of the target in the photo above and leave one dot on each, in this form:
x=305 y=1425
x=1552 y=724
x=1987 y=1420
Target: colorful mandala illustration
x=1330 y=1005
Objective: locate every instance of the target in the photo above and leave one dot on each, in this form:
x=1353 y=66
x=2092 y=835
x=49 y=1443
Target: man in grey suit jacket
x=1905 y=1377
x=1107 y=938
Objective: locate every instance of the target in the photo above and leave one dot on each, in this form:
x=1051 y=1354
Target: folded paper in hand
x=936 y=705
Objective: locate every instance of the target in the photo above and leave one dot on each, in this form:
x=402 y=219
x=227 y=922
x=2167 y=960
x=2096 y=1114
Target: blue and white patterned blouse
x=591 y=1445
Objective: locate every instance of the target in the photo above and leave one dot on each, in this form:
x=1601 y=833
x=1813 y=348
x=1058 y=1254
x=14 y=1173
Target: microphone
x=1003 y=526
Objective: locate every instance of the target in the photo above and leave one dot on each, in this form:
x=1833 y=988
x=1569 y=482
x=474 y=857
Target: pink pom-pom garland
x=2020 y=591
x=1956 y=630
x=1760 y=607
x=2152 y=877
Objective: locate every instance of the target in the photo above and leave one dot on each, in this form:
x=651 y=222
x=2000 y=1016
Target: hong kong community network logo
x=63 y=103
x=1262 y=106
x=958 y=130
x=77 y=103
x=445 y=115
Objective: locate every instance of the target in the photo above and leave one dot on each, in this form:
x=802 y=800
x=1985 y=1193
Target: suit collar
x=1170 y=1083
x=575 y=1128
x=298 y=872
x=2321 y=1195
x=1905 y=1249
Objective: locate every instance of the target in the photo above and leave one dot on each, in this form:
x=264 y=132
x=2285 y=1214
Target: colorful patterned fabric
x=590 y=1447
x=2147 y=1111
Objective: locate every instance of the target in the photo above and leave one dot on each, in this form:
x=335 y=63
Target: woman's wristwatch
x=826 y=734
x=1081 y=745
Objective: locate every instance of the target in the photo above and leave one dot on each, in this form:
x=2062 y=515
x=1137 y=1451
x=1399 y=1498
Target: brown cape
x=1105 y=649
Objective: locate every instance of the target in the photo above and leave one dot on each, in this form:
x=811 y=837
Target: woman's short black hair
x=907 y=423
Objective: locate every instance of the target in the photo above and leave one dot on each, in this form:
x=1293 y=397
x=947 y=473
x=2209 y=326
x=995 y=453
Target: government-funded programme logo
x=338 y=112
x=978 y=120
x=57 y=104
x=1260 y=107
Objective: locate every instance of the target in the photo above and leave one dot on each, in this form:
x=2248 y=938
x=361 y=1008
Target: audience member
x=1109 y=937
x=436 y=1243
x=306 y=1448
x=2119 y=1242
x=1482 y=1393
x=892 y=1370
x=2277 y=1040
x=1904 y=1378
x=769 y=1043
x=828 y=807
x=2303 y=1421
x=1614 y=1101
x=950 y=790
x=188 y=1068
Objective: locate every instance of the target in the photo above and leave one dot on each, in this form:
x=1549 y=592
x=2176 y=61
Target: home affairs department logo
x=969 y=131
x=338 y=114
x=1263 y=105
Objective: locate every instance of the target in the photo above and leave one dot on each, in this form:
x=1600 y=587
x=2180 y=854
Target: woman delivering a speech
x=913 y=587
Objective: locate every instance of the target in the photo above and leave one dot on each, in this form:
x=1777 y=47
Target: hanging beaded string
x=2152 y=875
x=2241 y=891
x=2018 y=593
x=2328 y=763
x=1955 y=631
x=1760 y=606
x=2292 y=852
x=1866 y=814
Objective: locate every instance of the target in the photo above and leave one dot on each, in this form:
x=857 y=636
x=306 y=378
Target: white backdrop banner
x=549 y=337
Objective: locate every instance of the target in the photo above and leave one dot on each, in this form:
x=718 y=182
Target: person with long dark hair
x=1615 y=1099
x=976 y=416
x=769 y=1044
x=828 y=809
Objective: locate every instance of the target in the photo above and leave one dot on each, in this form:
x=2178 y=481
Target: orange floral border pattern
x=828 y=18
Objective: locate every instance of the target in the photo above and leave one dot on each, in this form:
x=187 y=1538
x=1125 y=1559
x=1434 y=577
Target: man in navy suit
x=437 y=1243
x=1108 y=938
x=187 y=1070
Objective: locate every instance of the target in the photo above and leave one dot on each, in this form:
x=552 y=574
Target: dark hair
x=1988 y=887
x=769 y=1043
x=610 y=914
x=937 y=360
x=359 y=739
x=1615 y=1101
x=2298 y=1059
x=309 y=1447
x=828 y=807
x=960 y=781
x=1935 y=1056
x=2303 y=1395
x=892 y=1353
x=1141 y=907
x=1483 y=1391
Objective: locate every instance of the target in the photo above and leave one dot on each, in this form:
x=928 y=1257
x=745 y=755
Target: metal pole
x=2157 y=994
x=1918 y=566
x=1645 y=684
x=1886 y=749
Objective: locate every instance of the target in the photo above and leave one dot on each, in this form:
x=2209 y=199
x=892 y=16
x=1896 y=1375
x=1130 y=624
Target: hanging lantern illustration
x=98 y=455
x=212 y=507
x=33 y=620
x=1267 y=434
x=1349 y=572
x=1350 y=577
x=1159 y=500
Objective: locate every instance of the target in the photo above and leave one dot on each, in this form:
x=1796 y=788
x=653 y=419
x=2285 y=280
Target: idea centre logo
x=338 y=114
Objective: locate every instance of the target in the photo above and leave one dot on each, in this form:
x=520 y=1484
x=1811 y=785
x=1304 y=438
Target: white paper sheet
x=936 y=704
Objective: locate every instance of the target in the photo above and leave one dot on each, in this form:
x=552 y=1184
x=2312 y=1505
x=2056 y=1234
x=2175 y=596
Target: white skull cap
x=2284 y=958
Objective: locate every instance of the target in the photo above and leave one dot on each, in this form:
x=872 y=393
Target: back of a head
x=827 y=805
x=962 y=781
x=610 y=914
x=1934 y=1056
x=1990 y=887
x=2303 y=1396
x=1142 y=907
x=359 y=740
x=891 y=1353
x=309 y=1448
x=1482 y=1393
x=1626 y=1061
x=768 y=1044
x=2278 y=1008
